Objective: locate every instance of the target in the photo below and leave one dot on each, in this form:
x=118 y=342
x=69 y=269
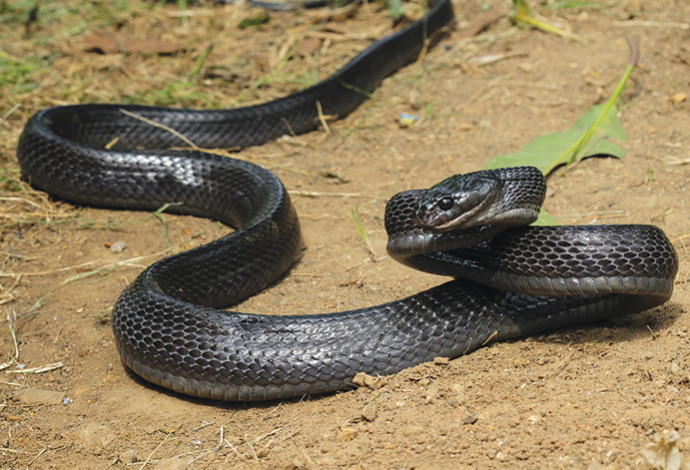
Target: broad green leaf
x=548 y=151
x=592 y=134
x=611 y=124
x=546 y=219
x=604 y=148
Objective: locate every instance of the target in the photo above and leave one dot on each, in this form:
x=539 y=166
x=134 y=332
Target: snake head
x=460 y=201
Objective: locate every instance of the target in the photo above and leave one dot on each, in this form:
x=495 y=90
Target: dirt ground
x=590 y=397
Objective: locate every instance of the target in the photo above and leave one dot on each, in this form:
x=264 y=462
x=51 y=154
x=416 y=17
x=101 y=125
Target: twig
x=160 y=126
x=677 y=239
x=45 y=273
x=36 y=370
x=672 y=160
x=277 y=408
x=37 y=456
x=13 y=451
x=354 y=215
x=158 y=215
x=297 y=192
x=561 y=365
x=234 y=449
x=222 y=438
x=653 y=24
x=276 y=430
x=322 y=118
x=11 y=322
x=154 y=450
x=14 y=384
x=654 y=335
x=492 y=336
x=20 y=199
x=251 y=447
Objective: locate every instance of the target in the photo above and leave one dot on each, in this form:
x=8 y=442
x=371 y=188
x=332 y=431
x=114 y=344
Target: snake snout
x=449 y=212
x=457 y=202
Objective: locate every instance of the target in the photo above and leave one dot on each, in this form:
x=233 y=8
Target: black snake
x=167 y=324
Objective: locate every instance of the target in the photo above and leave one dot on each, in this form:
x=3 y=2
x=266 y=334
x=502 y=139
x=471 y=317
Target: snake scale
x=511 y=281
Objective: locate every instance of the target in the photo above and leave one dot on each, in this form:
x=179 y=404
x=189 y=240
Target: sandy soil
x=590 y=397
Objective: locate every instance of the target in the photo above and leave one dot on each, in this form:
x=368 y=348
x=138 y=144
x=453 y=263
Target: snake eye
x=445 y=203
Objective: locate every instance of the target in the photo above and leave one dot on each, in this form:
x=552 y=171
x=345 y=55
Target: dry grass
x=217 y=64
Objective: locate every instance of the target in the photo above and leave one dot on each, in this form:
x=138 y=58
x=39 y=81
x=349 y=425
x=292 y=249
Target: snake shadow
x=226 y=405
x=626 y=328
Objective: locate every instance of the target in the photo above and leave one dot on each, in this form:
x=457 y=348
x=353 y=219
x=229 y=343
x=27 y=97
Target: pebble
x=369 y=413
x=174 y=463
x=470 y=419
x=362 y=379
x=129 y=456
x=118 y=246
x=347 y=434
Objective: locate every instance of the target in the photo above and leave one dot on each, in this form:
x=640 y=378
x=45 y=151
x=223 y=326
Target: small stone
x=423 y=382
x=441 y=361
x=369 y=413
x=365 y=380
x=129 y=456
x=347 y=434
x=174 y=463
x=679 y=98
x=118 y=246
x=470 y=419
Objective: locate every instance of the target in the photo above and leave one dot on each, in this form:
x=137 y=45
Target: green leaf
x=604 y=148
x=395 y=9
x=252 y=22
x=546 y=219
x=548 y=151
x=523 y=15
x=592 y=134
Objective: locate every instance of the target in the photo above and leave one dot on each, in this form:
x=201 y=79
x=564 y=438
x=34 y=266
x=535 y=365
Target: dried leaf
x=308 y=46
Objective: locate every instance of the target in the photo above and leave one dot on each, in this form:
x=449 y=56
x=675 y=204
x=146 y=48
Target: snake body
x=168 y=326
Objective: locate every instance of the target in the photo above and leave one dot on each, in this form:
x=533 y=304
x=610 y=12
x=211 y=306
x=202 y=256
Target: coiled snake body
x=167 y=324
